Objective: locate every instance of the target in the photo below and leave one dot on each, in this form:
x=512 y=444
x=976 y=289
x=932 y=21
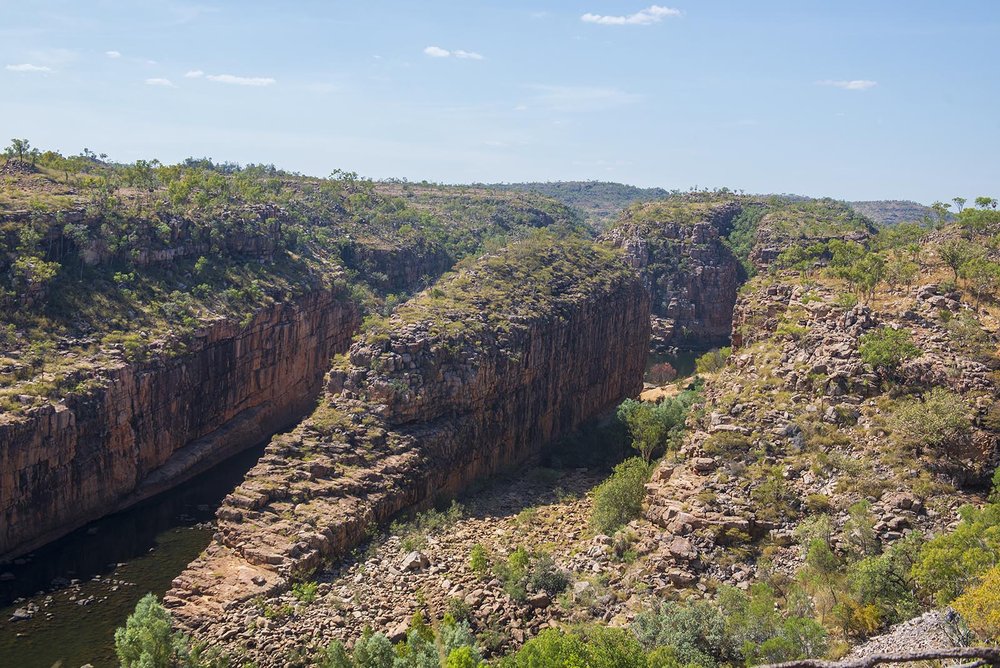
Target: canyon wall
x=152 y=424
x=471 y=378
x=692 y=277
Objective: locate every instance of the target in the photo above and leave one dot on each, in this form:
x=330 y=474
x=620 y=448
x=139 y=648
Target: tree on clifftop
x=18 y=148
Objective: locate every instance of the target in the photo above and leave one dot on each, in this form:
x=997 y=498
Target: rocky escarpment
x=151 y=424
x=691 y=275
x=798 y=425
x=472 y=377
x=391 y=269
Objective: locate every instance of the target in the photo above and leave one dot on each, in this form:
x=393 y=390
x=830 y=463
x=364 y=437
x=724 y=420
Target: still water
x=86 y=584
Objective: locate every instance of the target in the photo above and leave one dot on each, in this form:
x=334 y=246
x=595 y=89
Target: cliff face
x=446 y=393
x=152 y=424
x=691 y=275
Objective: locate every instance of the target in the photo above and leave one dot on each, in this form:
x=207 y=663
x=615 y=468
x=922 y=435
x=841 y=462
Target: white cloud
x=113 y=54
x=438 y=52
x=28 y=67
x=194 y=74
x=652 y=14
x=582 y=98
x=165 y=83
x=241 y=81
x=853 y=84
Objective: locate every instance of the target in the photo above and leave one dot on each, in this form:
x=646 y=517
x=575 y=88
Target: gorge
x=477 y=374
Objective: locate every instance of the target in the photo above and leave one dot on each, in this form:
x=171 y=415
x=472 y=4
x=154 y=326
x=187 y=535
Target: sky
x=853 y=99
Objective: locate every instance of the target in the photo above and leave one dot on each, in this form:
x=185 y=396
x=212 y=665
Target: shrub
x=457 y=636
x=980 y=606
x=618 y=500
x=146 y=639
x=336 y=656
x=463 y=657
x=655 y=426
x=950 y=563
x=713 y=360
x=305 y=591
x=696 y=631
x=887 y=348
x=772 y=496
x=882 y=582
x=939 y=419
x=524 y=570
x=601 y=647
x=374 y=650
x=479 y=561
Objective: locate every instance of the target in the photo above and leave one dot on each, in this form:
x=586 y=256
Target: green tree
x=146 y=640
x=941 y=211
x=983 y=276
x=654 y=427
x=936 y=420
x=959 y=203
x=712 y=361
x=887 y=348
x=955 y=253
x=618 y=500
x=18 y=148
x=374 y=650
x=952 y=562
x=986 y=202
x=980 y=606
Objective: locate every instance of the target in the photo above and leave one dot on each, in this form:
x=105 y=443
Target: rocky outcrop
x=472 y=378
x=396 y=270
x=691 y=275
x=152 y=424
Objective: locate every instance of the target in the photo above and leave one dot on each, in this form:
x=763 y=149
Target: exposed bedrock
x=153 y=424
x=692 y=277
x=468 y=379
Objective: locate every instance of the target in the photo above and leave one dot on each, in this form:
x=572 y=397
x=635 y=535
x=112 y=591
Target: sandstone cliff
x=691 y=275
x=470 y=378
x=151 y=424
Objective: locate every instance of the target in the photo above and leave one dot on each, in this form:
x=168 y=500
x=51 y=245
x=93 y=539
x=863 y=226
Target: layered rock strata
x=691 y=275
x=470 y=378
x=152 y=424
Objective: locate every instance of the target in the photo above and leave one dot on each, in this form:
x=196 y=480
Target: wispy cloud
x=164 y=83
x=643 y=17
x=113 y=54
x=28 y=67
x=582 y=98
x=231 y=79
x=241 y=81
x=438 y=52
x=853 y=84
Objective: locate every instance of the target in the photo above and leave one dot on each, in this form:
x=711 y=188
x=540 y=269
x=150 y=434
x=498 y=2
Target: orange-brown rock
x=463 y=382
x=152 y=424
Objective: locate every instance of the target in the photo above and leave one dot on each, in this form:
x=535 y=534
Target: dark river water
x=86 y=584
x=682 y=360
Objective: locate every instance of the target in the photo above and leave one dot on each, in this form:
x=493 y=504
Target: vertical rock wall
x=421 y=409
x=691 y=275
x=154 y=424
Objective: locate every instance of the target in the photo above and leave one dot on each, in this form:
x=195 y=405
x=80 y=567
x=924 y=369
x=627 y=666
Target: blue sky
x=851 y=99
